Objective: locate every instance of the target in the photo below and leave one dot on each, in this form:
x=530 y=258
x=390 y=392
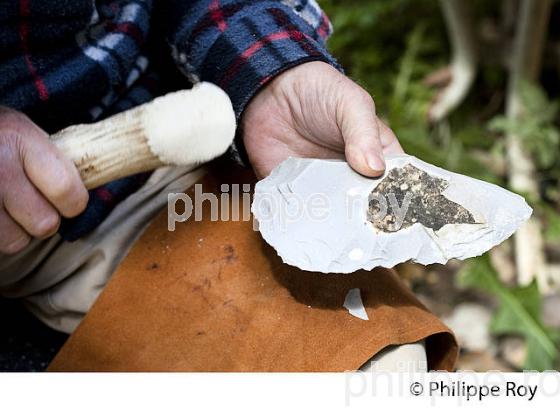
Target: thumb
x=361 y=133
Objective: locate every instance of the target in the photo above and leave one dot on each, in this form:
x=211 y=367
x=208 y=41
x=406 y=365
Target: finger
x=13 y=238
x=361 y=134
x=389 y=140
x=55 y=176
x=30 y=209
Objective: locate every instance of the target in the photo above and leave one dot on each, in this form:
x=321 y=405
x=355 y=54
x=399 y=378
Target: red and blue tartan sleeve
x=240 y=45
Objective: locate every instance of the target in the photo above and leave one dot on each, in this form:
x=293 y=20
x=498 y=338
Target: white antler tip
x=190 y=126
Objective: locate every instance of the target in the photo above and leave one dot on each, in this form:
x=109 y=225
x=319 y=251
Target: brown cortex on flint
x=413 y=196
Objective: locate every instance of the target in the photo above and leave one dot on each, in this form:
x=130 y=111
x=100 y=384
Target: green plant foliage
x=519 y=313
x=535 y=126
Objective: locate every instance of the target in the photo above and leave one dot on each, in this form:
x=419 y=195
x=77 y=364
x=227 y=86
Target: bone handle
x=187 y=127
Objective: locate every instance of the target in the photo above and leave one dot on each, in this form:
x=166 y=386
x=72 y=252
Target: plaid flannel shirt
x=70 y=61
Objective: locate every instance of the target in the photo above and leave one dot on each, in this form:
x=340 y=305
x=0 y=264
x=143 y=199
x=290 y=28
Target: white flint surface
x=314 y=213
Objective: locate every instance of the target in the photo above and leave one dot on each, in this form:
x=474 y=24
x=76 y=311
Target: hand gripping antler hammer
x=186 y=127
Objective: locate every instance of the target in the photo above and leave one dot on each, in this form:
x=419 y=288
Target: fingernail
x=48 y=226
x=375 y=162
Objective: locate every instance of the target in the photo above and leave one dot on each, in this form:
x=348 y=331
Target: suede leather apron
x=213 y=296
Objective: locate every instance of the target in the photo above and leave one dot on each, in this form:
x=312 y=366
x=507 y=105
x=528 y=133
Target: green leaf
x=535 y=126
x=519 y=313
x=408 y=62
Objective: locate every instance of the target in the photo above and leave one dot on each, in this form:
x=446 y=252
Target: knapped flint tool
x=320 y=215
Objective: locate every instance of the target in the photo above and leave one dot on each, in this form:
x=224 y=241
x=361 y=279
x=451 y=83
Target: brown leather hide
x=213 y=296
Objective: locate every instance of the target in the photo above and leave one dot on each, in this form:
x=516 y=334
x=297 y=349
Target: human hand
x=37 y=183
x=312 y=110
